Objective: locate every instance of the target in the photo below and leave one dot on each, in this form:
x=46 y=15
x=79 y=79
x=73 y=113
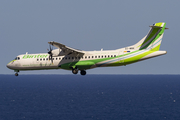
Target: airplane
x=68 y=58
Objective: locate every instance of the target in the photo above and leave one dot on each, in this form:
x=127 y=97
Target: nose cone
x=9 y=65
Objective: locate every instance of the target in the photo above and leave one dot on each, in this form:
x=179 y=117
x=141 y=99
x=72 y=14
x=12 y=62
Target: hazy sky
x=27 y=26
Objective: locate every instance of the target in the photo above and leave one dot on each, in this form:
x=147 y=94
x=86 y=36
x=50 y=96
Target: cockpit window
x=17 y=58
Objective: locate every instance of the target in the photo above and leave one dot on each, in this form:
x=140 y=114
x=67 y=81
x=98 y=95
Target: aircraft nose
x=9 y=65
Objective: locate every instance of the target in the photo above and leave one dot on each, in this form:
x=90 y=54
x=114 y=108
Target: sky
x=28 y=26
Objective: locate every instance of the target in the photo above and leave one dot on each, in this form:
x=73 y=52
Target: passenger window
x=66 y=58
x=72 y=57
x=92 y=56
x=95 y=56
x=108 y=56
x=105 y=56
x=75 y=57
x=59 y=58
x=85 y=57
x=79 y=57
x=111 y=55
x=89 y=57
x=37 y=59
x=56 y=58
x=40 y=59
x=102 y=56
x=99 y=56
x=44 y=59
x=114 y=55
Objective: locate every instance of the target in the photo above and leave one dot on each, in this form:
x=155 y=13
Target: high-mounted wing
x=66 y=49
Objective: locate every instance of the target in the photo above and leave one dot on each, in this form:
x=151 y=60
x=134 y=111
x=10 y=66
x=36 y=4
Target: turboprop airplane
x=77 y=60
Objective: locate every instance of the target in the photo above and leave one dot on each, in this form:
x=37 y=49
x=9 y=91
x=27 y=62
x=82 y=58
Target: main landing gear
x=83 y=72
x=75 y=71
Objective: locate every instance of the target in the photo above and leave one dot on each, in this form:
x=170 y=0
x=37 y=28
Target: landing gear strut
x=83 y=72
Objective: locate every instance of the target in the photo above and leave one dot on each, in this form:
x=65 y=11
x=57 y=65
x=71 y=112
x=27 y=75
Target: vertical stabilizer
x=153 y=39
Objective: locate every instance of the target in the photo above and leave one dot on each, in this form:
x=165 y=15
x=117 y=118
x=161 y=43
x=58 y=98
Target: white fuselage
x=42 y=61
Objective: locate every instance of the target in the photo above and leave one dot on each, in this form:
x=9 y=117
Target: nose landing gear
x=16 y=74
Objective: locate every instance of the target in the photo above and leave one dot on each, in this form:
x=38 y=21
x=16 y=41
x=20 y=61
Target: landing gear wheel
x=16 y=74
x=83 y=72
x=74 y=71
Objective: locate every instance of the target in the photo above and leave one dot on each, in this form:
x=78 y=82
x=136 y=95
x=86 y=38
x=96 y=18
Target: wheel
x=16 y=74
x=83 y=72
x=74 y=71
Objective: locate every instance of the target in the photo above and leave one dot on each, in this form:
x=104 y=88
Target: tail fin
x=153 y=39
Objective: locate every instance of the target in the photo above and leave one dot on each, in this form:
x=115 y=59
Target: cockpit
x=17 y=58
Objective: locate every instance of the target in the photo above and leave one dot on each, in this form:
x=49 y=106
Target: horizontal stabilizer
x=157 y=27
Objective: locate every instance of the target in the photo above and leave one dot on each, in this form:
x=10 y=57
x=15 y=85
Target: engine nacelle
x=58 y=52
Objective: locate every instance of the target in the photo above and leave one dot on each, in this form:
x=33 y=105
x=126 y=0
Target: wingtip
x=51 y=42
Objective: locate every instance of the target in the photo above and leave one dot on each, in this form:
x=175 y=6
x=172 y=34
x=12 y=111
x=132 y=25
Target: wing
x=66 y=49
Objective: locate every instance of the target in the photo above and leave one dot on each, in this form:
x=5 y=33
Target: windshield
x=17 y=58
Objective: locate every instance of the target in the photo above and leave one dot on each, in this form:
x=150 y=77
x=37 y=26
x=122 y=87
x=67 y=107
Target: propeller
x=50 y=53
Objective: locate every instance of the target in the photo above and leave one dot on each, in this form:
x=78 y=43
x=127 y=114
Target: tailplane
x=152 y=40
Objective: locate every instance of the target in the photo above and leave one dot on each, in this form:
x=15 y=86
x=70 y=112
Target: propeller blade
x=51 y=59
x=50 y=53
